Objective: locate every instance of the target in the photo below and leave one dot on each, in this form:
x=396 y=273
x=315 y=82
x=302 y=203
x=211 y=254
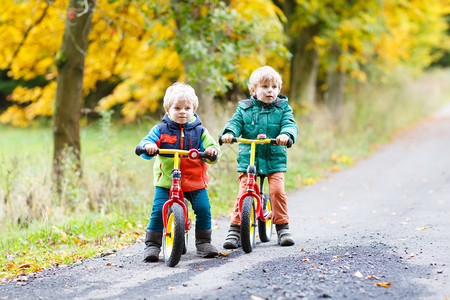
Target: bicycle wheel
x=173 y=240
x=265 y=228
x=186 y=236
x=248 y=224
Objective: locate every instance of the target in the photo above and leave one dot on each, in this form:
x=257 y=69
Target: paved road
x=379 y=230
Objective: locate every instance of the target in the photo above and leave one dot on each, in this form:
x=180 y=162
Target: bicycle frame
x=252 y=186
x=176 y=193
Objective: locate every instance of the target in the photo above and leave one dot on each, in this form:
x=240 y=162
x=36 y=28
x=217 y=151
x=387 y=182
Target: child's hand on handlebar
x=227 y=138
x=151 y=148
x=282 y=139
x=212 y=151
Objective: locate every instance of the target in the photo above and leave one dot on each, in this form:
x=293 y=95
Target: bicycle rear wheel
x=173 y=240
x=248 y=223
x=265 y=228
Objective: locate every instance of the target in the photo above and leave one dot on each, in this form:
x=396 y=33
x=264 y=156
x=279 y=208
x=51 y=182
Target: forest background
x=82 y=81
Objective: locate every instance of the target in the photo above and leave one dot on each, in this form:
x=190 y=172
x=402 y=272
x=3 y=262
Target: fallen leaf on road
x=22 y=278
x=171 y=287
x=223 y=254
x=257 y=298
x=358 y=274
x=383 y=284
x=372 y=277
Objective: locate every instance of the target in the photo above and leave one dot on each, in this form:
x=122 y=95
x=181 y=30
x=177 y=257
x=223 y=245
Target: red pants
x=277 y=195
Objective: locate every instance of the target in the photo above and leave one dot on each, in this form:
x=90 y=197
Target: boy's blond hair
x=180 y=92
x=264 y=74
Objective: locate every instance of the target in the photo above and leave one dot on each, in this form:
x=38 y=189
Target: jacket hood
x=195 y=121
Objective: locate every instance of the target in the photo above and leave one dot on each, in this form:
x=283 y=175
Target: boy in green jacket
x=265 y=112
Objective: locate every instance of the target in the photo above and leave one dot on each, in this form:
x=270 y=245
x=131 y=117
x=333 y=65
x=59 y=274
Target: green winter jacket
x=255 y=117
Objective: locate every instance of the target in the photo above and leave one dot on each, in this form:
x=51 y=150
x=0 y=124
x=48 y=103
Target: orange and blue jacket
x=171 y=135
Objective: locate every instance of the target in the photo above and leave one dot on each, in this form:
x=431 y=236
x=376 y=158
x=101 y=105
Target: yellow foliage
x=414 y=28
x=120 y=50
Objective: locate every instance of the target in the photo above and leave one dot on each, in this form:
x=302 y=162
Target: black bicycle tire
x=248 y=233
x=265 y=234
x=186 y=234
x=173 y=258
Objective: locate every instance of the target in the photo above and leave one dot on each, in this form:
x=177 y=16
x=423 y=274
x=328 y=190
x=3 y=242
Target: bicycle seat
x=251 y=169
x=176 y=174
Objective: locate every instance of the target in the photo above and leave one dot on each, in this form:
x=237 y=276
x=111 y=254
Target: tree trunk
x=70 y=62
x=334 y=96
x=206 y=106
x=304 y=66
x=305 y=59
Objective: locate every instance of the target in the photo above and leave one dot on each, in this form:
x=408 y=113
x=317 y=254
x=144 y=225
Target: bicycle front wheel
x=173 y=241
x=248 y=224
x=186 y=233
x=265 y=228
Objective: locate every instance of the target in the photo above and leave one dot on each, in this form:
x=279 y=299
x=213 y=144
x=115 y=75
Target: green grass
x=111 y=205
x=47 y=246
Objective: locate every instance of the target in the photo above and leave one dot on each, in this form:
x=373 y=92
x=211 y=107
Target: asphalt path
x=378 y=230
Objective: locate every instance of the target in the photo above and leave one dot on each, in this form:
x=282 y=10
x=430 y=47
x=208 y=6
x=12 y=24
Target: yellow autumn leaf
x=383 y=284
x=309 y=181
x=335 y=168
x=64 y=237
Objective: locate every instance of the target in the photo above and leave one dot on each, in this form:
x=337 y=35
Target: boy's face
x=267 y=92
x=181 y=111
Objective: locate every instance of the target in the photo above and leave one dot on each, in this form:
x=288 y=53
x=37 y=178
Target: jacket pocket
x=165 y=138
x=278 y=157
x=277 y=150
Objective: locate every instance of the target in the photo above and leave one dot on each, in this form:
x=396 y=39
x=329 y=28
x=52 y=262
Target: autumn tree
x=211 y=37
x=70 y=62
x=356 y=38
x=302 y=24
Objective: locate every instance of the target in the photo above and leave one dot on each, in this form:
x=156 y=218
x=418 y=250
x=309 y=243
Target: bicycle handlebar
x=192 y=153
x=258 y=141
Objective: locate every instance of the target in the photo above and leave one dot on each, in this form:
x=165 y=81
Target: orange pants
x=277 y=195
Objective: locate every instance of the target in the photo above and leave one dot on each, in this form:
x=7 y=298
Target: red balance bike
x=175 y=212
x=255 y=205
